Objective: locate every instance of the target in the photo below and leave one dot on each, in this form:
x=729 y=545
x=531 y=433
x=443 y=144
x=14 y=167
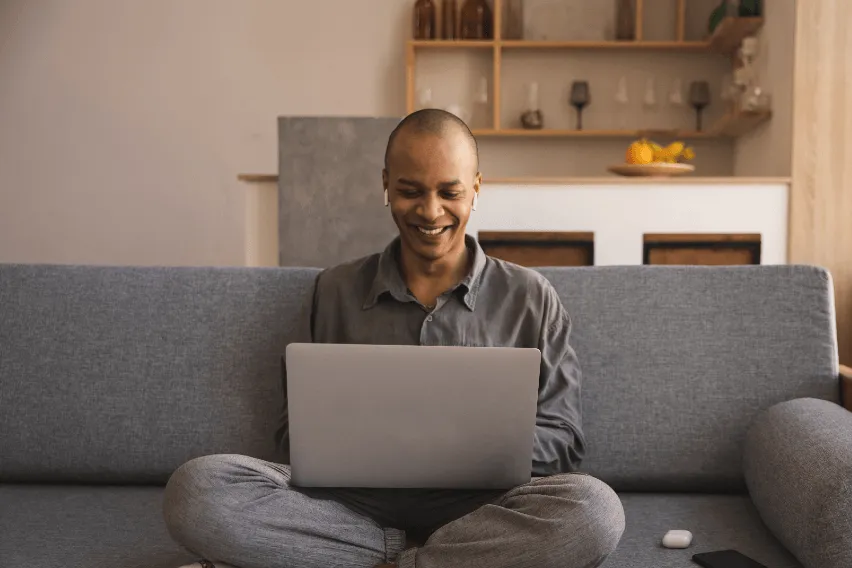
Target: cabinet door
x=536 y=248
x=701 y=249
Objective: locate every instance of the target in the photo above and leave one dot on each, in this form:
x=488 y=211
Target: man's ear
x=385 y=179
x=477 y=182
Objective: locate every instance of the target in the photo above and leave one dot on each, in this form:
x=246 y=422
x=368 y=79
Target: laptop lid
x=411 y=416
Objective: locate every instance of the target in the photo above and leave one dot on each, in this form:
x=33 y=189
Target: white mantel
x=619 y=211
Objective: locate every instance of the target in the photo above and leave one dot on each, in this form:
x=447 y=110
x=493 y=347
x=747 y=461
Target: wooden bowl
x=656 y=169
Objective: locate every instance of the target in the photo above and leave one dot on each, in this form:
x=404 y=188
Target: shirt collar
x=388 y=278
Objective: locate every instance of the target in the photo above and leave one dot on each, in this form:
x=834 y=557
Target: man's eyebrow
x=442 y=185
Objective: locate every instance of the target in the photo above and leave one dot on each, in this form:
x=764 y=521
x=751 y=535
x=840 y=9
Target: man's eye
x=452 y=194
x=408 y=192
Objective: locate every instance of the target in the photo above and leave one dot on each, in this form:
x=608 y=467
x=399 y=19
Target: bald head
x=437 y=123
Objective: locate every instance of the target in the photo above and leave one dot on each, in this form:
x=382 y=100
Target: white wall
x=123 y=124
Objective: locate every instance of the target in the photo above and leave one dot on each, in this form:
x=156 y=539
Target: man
x=433 y=285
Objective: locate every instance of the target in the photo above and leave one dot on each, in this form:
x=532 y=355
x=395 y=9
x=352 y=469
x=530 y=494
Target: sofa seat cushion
x=52 y=526
x=91 y=527
x=717 y=522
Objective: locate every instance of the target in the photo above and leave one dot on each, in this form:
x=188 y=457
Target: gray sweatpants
x=243 y=511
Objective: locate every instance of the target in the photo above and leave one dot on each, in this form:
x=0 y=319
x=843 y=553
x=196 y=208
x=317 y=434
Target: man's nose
x=430 y=208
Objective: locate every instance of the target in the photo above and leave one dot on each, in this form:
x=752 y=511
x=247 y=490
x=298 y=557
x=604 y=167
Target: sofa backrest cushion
x=677 y=362
x=119 y=375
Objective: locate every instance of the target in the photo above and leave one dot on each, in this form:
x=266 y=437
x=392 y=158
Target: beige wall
x=123 y=124
x=767 y=151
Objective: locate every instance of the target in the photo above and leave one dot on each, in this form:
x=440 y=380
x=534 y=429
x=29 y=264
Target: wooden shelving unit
x=724 y=40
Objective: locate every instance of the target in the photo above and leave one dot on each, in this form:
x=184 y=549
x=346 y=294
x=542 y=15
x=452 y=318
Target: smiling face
x=431 y=181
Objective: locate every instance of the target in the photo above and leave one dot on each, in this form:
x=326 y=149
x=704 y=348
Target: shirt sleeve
x=559 y=443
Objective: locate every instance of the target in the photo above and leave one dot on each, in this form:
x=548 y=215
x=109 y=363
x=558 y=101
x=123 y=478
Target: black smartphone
x=725 y=559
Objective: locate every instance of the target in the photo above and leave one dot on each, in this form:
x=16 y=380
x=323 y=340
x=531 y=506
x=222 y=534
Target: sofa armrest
x=797 y=463
x=846 y=387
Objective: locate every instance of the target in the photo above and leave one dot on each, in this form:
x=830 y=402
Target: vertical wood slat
x=680 y=31
x=498 y=64
x=410 y=83
x=498 y=19
x=640 y=19
x=820 y=230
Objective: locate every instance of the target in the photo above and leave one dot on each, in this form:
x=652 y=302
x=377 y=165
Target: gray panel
x=330 y=189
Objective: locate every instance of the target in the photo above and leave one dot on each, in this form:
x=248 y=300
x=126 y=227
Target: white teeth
x=431 y=232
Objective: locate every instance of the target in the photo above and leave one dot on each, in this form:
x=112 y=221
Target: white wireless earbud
x=387 y=201
x=475 y=197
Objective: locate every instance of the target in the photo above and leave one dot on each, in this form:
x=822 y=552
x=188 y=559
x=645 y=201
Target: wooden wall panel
x=821 y=192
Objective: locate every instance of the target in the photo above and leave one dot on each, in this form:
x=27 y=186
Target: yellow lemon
x=639 y=153
x=670 y=153
x=674 y=149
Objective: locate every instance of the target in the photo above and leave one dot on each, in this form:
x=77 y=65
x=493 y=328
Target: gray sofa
x=710 y=403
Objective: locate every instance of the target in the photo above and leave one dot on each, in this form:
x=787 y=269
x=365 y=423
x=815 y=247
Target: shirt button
x=428 y=318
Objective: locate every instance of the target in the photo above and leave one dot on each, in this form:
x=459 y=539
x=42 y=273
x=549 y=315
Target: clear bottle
x=532 y=118
x=476 y=20
x=481 y=111
x=424 y=19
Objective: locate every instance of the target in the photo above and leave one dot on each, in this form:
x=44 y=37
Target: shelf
x=258 y=178
x=618 y=180
x=736 y=124
x=451 y=44
x=731 y=125
x=731 y=33
x=594 y=180
x=608 y=45
x=726 y=40
x=677 y=46
x=554 y=133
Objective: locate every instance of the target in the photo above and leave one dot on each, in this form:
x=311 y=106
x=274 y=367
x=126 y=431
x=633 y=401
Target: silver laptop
x=411 y=417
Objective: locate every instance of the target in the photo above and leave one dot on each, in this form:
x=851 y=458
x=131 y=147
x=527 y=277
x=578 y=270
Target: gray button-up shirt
x=497 y=304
